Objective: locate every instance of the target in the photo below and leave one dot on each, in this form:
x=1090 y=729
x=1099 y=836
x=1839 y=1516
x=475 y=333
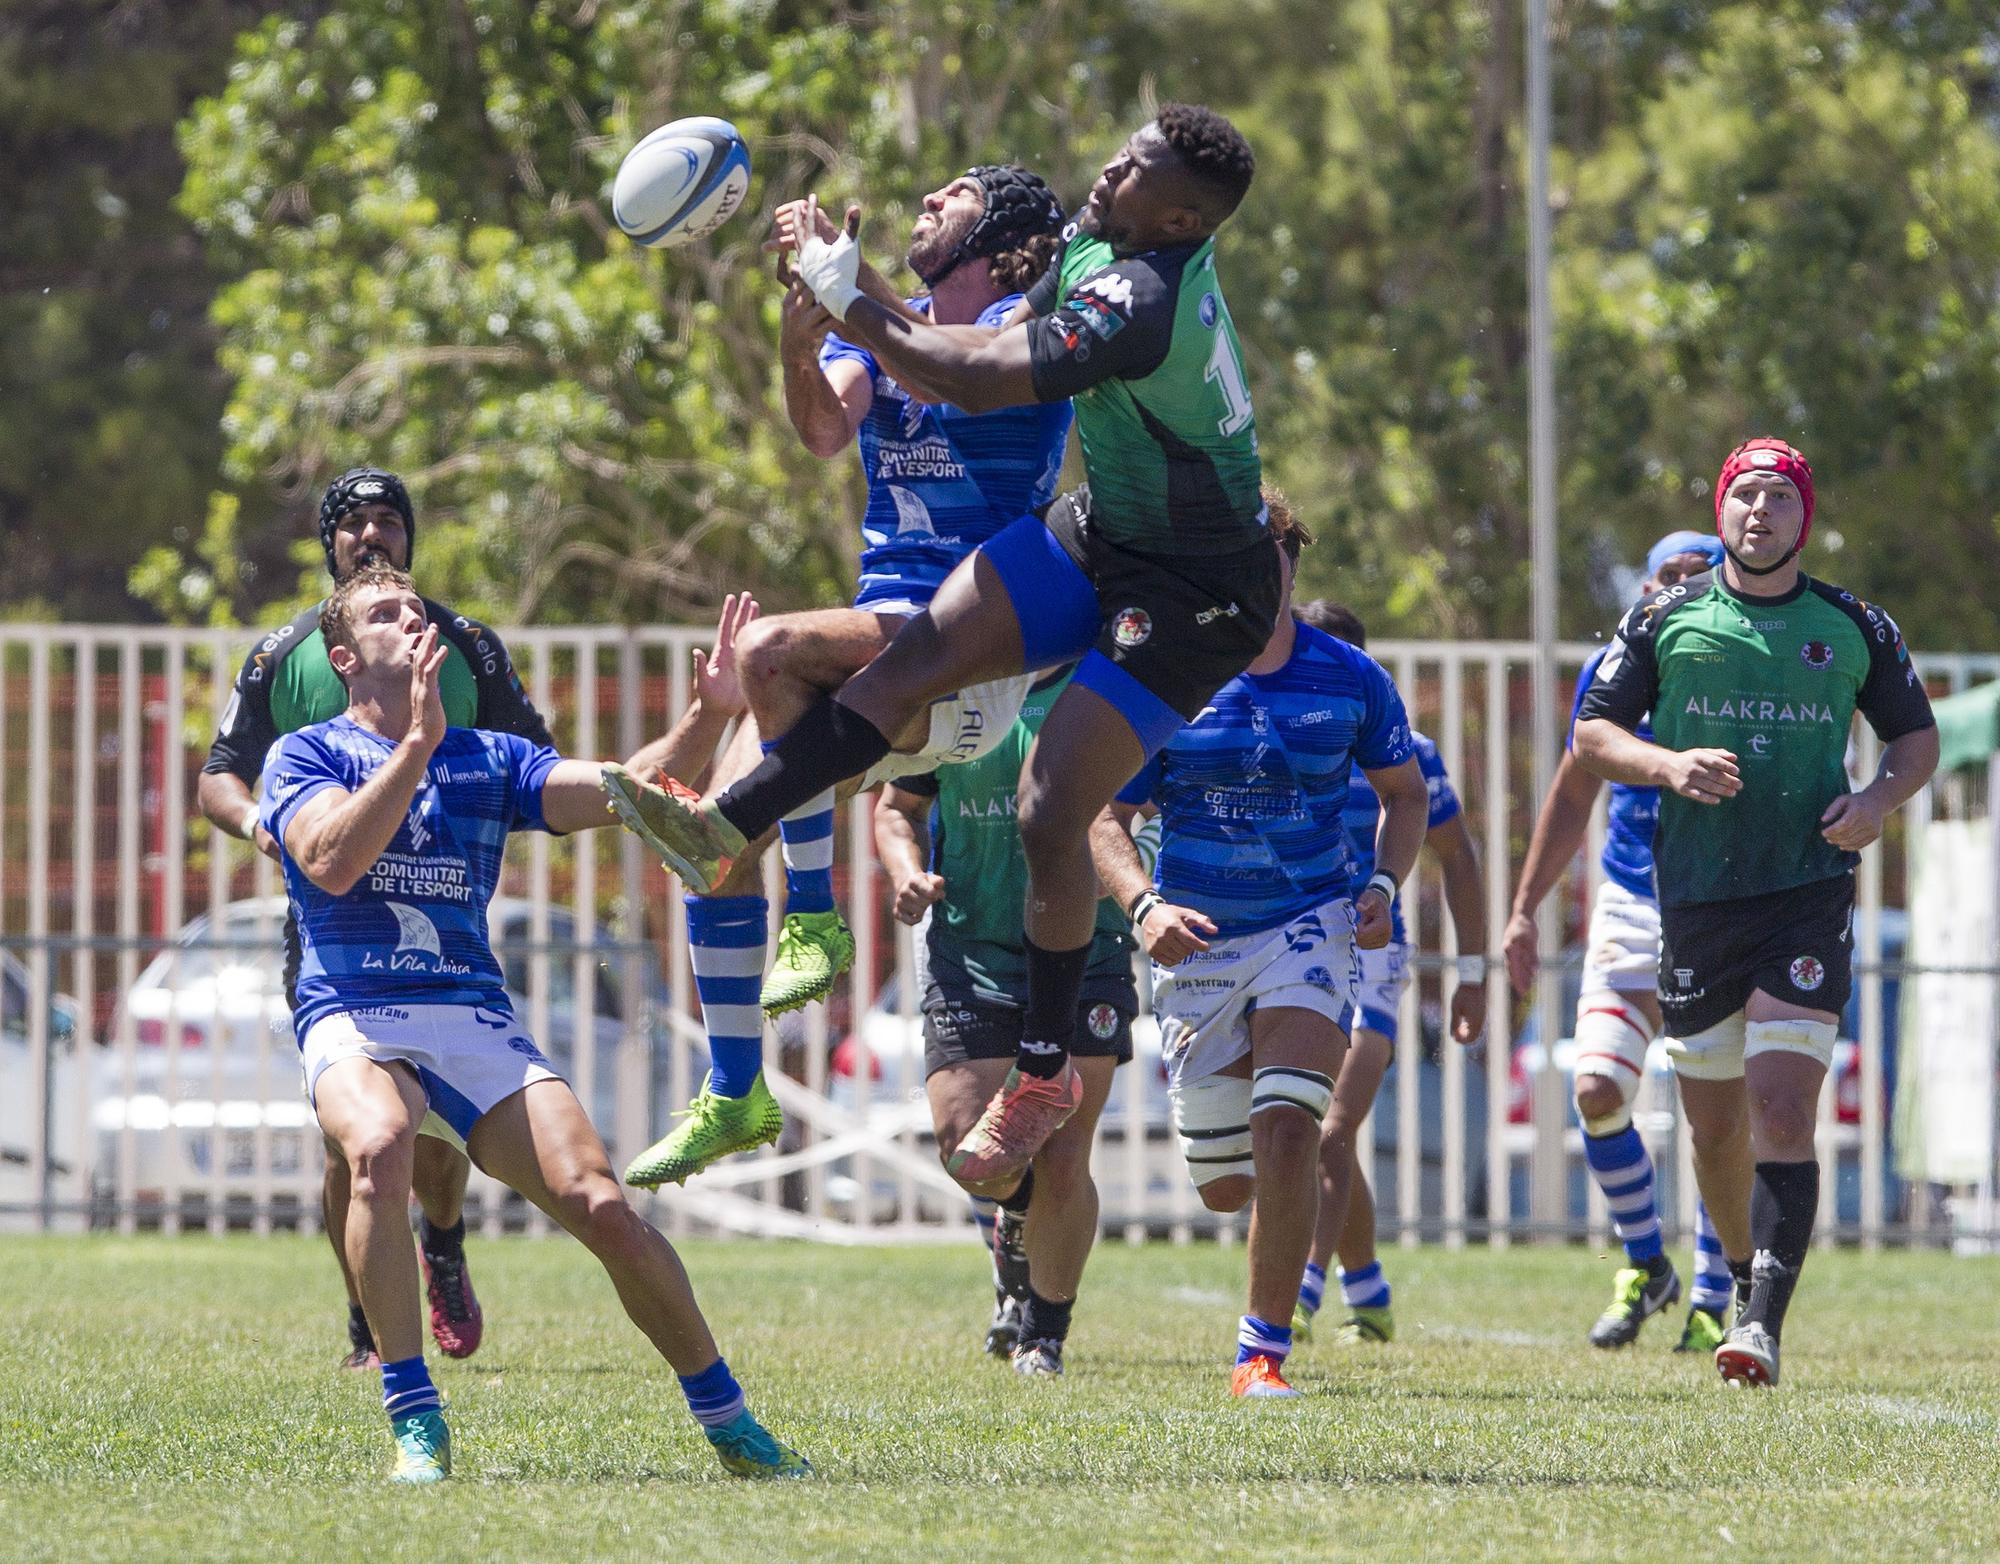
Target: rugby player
x=1752 y=677
x=1158 y=574
x=1618 y=1009
x=961 y=882
x=392 y=826
x=365 y=517
x=1252 y=920
x=941 y=481
x=1346 y=1225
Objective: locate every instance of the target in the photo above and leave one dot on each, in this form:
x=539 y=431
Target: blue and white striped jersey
x=1364 y=813
x=1253 y=793
x=941 y=481
x=1632 y=812
x=412 y=930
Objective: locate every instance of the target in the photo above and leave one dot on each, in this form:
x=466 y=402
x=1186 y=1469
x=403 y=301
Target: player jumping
x=392 y=827
x=1618 y=1008
x=1252 y=920
x=1159 y=574
x=1752 y=678
x=941 y=481
x=1346 y=1225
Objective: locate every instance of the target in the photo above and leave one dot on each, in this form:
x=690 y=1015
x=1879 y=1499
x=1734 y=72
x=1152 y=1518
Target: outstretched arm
x=689 y=747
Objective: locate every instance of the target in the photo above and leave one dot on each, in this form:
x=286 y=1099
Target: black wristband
x=1142 y=904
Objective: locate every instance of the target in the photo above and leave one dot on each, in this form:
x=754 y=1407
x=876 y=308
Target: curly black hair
x=1213 y=152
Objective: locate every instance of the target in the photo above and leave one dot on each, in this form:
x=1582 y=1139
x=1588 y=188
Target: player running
x=1252 y=921
x=1158 y=573
x=1346 y=1225
x=1752 y=678
x=961 y=882
x=1618 y=1008
x=941 y=481
x=392 y=826
x=365 y=517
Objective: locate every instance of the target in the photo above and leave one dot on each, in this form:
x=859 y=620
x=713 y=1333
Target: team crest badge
x=1131 y=627
x=1807 y=974
x=1208 y=310
x=1102 y=1021
x=1816 y=654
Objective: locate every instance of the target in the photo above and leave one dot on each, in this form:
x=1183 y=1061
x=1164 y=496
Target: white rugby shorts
x=1380 y=978
x=965 y=725
x=1204 y=1004
x=1622 y=950
x=469 y=1058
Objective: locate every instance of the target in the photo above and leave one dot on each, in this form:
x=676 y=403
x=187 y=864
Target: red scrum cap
x=1768 y=454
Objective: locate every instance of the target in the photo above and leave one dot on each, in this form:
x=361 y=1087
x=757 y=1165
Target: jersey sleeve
x=1114 y=324
x=836 y=347
x=503 y=704
x=247 y=731
x=1142 y=788
x=924 y=784
x=1892 y=697
x=1047 y=291
x=528 y=768
x=1583 y=682
x=1437 y=781
x=1628 y=674
x=995 y=315
x=1383 y=738
x=300 y=768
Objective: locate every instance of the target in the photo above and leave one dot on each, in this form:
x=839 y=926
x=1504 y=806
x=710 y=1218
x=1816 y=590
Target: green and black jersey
x=973 y=946
x=1776 y=682
x=1145 y=346
x=287 y=684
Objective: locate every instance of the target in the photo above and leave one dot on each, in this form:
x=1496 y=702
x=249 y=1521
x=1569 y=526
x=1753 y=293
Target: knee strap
x=1212 y=1116
x=1286 y=1086
x=1792 y=1035
x=1612 y=1036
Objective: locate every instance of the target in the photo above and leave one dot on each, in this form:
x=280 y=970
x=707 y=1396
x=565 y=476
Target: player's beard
x=932 y=247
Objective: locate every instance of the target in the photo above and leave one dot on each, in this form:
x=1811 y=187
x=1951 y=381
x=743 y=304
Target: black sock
x=826 y=746
x=358 y=1334
x=1023 y=1192
x=1783 y=1203
x=447 y=1241
x=1659 y=1265
x=1055 y=984
x=1739 y=1273
x=1043 y=1320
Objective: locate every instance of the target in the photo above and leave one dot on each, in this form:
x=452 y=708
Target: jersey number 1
x=1225 y=371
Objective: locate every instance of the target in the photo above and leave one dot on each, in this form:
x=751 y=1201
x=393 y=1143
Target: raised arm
x=688 y=749
x=826 y=403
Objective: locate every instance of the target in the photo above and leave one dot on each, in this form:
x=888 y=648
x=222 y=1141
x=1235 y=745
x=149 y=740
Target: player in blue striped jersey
x=1252 y=920
x=1618 y=1008
x=1346 y=1204
x=941 y=481
x=392 y=827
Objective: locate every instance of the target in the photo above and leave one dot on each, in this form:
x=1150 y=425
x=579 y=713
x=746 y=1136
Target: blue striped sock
x=1257 y=1338
x=1712 y=1281
x=805 y=836
x=1312 y=1287
x=713 y=1395
x=407 y=1389
x=1624 y=1171
x=1365 y=1287
x=726 y=947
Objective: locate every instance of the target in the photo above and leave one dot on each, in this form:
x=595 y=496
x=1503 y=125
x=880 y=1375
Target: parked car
x=18 y=1107
x=196 y=1113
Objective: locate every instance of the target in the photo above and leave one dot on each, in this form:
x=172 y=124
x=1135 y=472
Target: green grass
x=177 y=1400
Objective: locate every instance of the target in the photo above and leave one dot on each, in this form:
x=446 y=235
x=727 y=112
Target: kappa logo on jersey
x=1807 y=974
x=1111 y=287
x=1102 y=1021
x=1210 y=615
x=1816 y=654
x=1131 y=627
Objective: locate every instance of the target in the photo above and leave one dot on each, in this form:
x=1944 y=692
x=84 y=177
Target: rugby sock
x=359 y=1336
x=1624 y=1171
x=1023 y=1193
x=1257 y=1338
x=806 y=837
x=982 y=1218
x=726 y=948
x=713 y=1395
x=1366 y=1288
x=1710 y=1289
x=1739 y=1279
x=1043 y=1319
x=1783 y=1203
x=444 y=1242
x=1312 y=1288
x=829 y=744
x=1055 y=985
x=407 y=1389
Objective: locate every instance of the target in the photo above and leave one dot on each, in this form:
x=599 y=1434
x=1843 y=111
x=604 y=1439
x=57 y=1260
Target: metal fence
x=152 y=1079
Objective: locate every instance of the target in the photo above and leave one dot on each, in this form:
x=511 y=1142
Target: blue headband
x=1705 y=544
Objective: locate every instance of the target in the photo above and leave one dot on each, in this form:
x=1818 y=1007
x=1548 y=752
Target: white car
x=17 y=1111
x=195 y=1119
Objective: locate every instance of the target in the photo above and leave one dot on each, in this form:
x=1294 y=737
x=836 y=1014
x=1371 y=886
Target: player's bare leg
x=1345 y=1227
x=371 y=1111
x=1718 y=1114
x=334 y=1195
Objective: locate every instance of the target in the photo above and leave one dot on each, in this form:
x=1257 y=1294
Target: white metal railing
x=173 y=1099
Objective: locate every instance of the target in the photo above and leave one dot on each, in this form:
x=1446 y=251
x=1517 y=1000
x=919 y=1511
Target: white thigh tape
x=1283 y=1086
x=1213 y=1118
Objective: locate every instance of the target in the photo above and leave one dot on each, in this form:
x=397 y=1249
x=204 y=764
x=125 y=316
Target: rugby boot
x=1039 y=1359
x=1259 y=1379
x=711 y=1128
x=689 y=836
x=423 y=1448
x=1366 y=1328
x=746 y=1449
x=457 y=1322
x=1637 y=1294
x=814 y=948
x=1023 y=1114
x=1748 y=1356
x=1702 y=1333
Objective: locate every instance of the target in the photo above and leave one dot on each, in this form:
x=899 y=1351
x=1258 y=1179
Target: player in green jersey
x=1752 y=677
x=949 y=842
x=1158 y=575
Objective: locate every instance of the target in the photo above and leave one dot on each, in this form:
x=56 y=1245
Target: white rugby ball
x=681 y=183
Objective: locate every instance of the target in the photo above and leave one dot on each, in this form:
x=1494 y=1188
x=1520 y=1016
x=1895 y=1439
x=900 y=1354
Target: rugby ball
x=681 y=183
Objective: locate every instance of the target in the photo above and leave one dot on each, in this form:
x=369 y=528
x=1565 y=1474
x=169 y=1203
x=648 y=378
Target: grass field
x=177 y=1400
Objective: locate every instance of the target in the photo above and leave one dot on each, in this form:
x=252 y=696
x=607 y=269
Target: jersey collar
x=1797 y=591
